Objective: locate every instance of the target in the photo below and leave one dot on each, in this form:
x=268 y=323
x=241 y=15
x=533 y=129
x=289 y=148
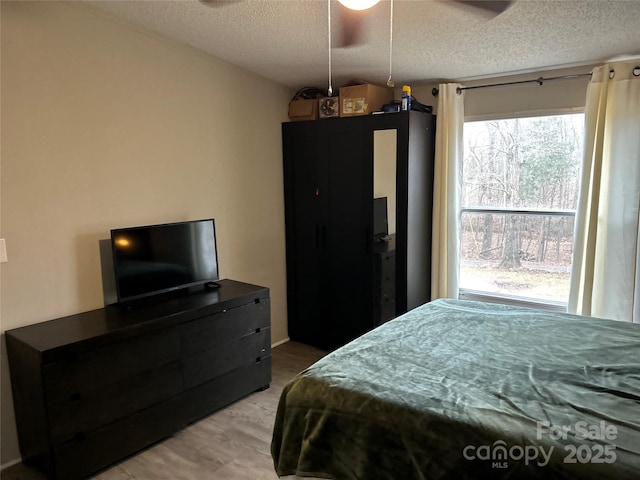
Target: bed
x=461 y=389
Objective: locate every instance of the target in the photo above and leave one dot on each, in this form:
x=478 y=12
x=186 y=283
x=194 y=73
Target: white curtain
x=605 y=274
x=446 y=193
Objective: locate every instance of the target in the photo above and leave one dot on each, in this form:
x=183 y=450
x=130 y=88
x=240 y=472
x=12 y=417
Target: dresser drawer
x=203 y=333
x=85 y=455
x=87 y=410
x=87 y=371
x=388 y=270
x=203 y=399
x=222 y=358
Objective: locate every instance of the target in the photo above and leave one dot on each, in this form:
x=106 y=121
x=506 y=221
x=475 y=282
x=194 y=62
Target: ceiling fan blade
x=351 y=25
x=495 y=7
x=218 y=3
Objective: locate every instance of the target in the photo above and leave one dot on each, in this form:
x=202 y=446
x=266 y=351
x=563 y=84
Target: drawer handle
x=258 y=330
x=257 y=300
x=79 y=437
x=74 y=397
x=258 y=359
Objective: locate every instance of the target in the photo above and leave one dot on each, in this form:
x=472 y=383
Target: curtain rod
x=539 y=81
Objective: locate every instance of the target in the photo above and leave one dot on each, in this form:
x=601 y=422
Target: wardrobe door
x=305 y=264
x=349 y=223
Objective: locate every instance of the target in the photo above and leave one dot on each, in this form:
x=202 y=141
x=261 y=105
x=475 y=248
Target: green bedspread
x=458 y=389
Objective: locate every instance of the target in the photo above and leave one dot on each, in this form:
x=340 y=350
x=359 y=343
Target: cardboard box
x=329 y=107
x=303 y=109
x=363 y=99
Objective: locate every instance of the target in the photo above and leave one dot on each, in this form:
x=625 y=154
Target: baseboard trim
x=274 y=345
x=10 y=464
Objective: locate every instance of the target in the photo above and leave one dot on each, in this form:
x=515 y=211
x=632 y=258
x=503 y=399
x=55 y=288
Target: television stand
x=93 y=388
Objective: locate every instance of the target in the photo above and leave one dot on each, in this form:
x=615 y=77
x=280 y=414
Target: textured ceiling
x=286 y=41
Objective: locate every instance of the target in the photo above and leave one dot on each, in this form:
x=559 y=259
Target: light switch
x=3 y=250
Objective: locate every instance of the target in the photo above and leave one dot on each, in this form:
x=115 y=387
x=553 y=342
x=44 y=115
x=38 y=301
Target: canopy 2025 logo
x=500 y=453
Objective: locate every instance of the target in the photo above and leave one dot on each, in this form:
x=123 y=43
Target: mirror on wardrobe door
x=384 y=172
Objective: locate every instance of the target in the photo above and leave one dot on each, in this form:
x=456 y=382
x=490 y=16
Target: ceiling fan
x=352 y=14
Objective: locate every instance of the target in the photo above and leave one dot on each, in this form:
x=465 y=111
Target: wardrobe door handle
x=368 y=240
x=324 y=237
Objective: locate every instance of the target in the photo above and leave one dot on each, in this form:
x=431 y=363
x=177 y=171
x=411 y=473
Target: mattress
x=460 y=389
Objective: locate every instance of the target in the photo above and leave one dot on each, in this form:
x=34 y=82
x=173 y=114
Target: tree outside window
x=519 y=195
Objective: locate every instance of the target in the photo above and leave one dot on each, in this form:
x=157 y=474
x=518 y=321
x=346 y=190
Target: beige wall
x=104 y=126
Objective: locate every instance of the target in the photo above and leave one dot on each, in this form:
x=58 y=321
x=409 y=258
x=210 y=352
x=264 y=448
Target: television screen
x=155 y=259
x=380 y=227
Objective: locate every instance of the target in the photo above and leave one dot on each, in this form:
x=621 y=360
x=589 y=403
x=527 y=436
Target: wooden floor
x=232 y=444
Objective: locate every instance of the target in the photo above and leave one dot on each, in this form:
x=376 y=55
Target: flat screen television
x=380 y=222
x=155 y=259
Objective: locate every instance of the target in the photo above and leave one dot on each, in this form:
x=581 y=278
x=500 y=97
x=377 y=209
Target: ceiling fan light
x=358 y=4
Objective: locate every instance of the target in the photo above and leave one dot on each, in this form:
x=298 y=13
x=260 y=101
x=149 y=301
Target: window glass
x=519 y=195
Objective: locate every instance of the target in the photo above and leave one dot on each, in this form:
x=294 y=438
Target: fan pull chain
x=330 y=89
x=390 y=81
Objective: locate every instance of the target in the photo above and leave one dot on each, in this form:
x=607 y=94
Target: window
x=519 y=196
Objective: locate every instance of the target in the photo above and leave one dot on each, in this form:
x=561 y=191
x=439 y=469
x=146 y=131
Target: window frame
x=505 y=299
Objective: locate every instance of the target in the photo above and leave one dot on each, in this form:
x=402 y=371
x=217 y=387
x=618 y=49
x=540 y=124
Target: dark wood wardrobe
x=332 y=168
